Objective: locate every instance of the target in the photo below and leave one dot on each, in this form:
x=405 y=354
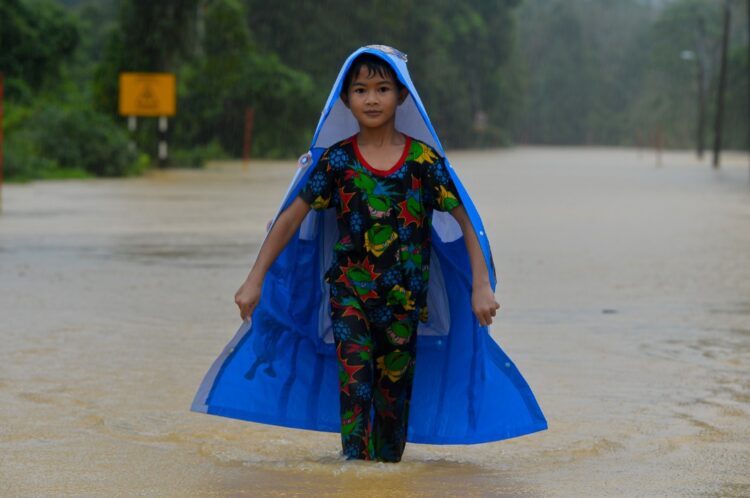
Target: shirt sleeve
x=318 y=190
x=441 y=192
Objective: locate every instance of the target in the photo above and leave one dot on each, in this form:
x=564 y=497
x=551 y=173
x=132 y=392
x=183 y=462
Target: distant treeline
x=614 y=72
x=491 y=73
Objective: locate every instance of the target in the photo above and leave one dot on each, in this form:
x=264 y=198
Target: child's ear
x=345 y=100
x=402 y=95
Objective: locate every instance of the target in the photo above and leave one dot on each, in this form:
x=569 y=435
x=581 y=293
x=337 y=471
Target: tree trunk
x=748 y=81
x=722 y=86
x=701 y=110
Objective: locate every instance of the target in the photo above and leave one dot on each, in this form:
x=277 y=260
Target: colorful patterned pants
x=376 y=348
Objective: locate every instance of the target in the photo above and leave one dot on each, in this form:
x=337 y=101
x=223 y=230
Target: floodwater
x=626 y=305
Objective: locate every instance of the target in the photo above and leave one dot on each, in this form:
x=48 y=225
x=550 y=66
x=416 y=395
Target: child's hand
x=247 y=297
x=483 y=304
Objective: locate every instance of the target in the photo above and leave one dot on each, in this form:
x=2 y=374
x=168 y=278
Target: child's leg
x=395 y=357
x=354 y=350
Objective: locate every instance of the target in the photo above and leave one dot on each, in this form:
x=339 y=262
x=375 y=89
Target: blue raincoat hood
x=281 y=368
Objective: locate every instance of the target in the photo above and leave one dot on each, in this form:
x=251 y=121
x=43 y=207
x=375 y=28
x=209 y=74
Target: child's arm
x=286 y=225
x=482 y=298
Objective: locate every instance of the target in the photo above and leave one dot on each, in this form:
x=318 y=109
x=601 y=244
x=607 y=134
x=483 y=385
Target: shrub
x=54 y=141
x=197 y=156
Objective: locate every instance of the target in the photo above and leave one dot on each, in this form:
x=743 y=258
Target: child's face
x=373 y=98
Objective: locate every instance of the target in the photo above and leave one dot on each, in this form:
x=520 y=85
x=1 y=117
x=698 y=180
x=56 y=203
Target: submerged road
x=626 y=305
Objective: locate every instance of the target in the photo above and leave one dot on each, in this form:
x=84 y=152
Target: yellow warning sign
x=147 y=94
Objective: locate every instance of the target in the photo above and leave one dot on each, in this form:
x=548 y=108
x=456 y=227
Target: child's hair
x=374 y=65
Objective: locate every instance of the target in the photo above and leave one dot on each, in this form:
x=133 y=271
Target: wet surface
x=626 y=305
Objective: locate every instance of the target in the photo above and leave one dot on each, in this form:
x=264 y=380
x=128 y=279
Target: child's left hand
x=483 y=304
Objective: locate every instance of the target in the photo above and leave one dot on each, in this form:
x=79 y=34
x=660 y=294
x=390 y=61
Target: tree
x=233 y=74
x=149 y=36
x=36 y=38
x=459 y=53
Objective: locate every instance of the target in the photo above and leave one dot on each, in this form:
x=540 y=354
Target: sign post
x=2 y=94
x=149 y=95
x=248 y=137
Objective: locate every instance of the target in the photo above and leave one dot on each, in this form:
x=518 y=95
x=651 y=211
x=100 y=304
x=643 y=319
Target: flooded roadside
x=626 y=305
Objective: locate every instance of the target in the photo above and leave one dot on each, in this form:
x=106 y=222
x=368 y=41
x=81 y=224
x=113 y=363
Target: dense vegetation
x=491 y=73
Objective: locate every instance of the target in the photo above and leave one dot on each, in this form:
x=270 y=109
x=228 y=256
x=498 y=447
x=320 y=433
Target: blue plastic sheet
x=281 y=368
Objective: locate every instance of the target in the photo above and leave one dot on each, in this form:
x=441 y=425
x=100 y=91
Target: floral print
x=384 y=218
x=376 y=351
x=378 y=283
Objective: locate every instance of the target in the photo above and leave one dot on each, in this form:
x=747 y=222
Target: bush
x=22 y=161
x=63 y=142
x=197 y=156
x=232 y=75
x=82 y=138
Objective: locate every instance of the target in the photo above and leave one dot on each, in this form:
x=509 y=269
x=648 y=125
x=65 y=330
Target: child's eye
x=384 y=89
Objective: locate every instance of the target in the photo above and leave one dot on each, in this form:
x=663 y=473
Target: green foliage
x=197 y=156
x=149 y=37
x=36 y=37
x=227 y=35
x=219 y=73
x=50 y=130
x=83 y=138
x=459 y=53
x=233 y=76
x=607 y=71
x=57 y=138
x=582 y=62
x=736 y=125
x=684 y=37
x=537 y=71
x=559 y=84
x=24 y=160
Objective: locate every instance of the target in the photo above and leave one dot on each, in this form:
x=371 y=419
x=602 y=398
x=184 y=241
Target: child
x=376 y=195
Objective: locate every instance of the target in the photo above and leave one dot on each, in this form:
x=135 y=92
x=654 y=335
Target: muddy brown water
x=626 y=305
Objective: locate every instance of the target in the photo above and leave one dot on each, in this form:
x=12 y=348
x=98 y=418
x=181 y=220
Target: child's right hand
x=287 y=223
x=247 y=297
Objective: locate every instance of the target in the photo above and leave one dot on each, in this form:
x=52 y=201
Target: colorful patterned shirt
x=384 y=219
